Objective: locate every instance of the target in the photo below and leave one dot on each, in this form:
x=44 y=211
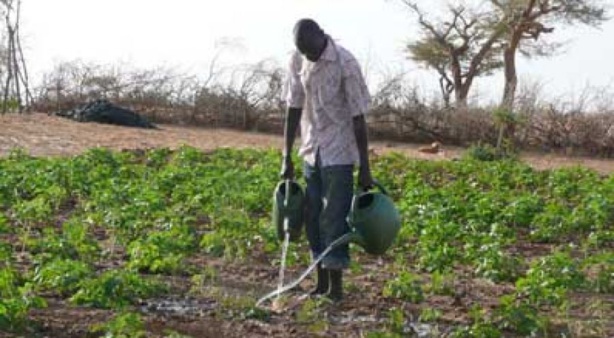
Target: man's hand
x=287 y=169
x=365 y=180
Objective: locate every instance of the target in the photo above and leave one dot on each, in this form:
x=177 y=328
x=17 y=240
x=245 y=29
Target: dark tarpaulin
x=103 y=111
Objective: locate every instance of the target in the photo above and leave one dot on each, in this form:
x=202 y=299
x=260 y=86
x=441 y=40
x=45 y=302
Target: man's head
x=309 y=39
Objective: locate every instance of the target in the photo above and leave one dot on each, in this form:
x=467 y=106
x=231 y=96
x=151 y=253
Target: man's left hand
x=365 y=180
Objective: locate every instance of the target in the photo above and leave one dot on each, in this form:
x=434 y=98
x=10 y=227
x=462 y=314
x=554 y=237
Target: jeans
x=329 y=195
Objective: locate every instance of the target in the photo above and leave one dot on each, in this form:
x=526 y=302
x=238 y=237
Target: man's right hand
x=287 y=169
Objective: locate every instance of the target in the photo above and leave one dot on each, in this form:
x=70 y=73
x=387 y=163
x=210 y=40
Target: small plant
x=123 y=325
x=519 y=316
x=16 y=300
x=429 y=315
x=494 y=264
x=4 y=224
x=115 y=289
x=602 y=268
x=441 y=284
x=62 y=276
x=311 y=314
x=204 y=279
x=550 y=278
x=257 y=314
x=406 y=286
x=396 y=320
x=487 y=153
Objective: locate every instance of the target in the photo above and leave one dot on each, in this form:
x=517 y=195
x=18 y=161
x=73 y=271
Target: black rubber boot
x=336 y=285
x=323 y=282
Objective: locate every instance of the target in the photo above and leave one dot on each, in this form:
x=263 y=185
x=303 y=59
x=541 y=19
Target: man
x=327 y=94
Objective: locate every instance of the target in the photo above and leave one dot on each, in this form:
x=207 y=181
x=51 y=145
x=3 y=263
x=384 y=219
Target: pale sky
x=184 y=34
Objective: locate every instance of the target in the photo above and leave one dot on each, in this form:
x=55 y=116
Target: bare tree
x=460 y=49
x=16 y=81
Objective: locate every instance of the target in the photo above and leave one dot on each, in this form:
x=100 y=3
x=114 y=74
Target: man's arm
x=292 y=121
x=358 y=99
x=365 y=180
x=294 y=98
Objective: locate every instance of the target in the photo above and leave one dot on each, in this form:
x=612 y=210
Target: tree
x=527 y=20
x=16 y=81
x=460 y=49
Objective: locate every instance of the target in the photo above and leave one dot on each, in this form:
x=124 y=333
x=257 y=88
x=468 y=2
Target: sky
x=186 y=34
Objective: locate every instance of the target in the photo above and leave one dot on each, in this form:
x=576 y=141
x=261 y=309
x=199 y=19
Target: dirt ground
x=43 y=135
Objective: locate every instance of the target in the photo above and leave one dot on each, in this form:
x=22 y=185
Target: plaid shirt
x=331 y=92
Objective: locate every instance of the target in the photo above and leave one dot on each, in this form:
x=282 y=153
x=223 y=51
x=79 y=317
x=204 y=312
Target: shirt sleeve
x=356 y=91
x=293 y=93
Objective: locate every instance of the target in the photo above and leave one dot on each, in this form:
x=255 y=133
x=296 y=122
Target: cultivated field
x=125 y=232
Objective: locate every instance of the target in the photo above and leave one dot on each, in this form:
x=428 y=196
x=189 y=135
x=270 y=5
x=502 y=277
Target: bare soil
x=43 y=135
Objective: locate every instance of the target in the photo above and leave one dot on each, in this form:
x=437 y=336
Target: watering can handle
x=379 y=186
x=287 y=194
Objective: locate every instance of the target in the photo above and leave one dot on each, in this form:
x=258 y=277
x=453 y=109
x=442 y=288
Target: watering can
x=288 y=209
x=374 y=219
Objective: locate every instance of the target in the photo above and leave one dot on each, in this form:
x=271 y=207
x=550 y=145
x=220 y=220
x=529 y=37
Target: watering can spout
x=356 y=238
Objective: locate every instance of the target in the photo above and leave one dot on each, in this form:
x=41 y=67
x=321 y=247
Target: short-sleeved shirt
x=330 y=92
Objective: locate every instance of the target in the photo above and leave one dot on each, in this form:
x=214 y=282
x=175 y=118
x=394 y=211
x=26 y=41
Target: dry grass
x=43 y=135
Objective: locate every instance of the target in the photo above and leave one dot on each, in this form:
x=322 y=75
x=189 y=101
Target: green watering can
x=375 y=220
x=288 y=209
x=373 y=217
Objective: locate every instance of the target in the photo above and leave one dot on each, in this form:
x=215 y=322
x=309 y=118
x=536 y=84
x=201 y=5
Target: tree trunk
x=460 y=89
x=461 y=95
x=445 y=91
x=511 y=79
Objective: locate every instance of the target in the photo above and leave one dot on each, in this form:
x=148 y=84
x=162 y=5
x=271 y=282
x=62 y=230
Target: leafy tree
x=527 y=20
x=464 y=47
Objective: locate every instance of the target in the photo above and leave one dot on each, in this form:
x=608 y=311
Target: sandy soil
x=43 y=135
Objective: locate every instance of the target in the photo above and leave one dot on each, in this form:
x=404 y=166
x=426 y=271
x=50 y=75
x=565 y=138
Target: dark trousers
x=329 y=195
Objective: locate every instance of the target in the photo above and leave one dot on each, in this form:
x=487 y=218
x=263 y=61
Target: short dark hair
x=307 y=27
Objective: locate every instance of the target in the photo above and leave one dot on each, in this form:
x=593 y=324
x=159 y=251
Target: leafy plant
x=519 y=316
x=61 y=275
x=550 y=278
x=16 y=299
x=405 y=286
x=123 y=325
x=430 y=315
x=115 y=289
x=486 y=152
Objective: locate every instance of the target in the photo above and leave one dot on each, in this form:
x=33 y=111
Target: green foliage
x=396 y=320
x=440 y=284
x=550 y=278
x=405 y=286
x=429 y=315
x=164 y=212
x=519 y=316
x=123 y=325
x=486 y=152
x=162 y=251
x=61 y=275
x=602 y=266
x=115 y=289
x=16 y=299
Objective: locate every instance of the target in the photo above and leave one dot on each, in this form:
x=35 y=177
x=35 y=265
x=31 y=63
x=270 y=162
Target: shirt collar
x=330 y=52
